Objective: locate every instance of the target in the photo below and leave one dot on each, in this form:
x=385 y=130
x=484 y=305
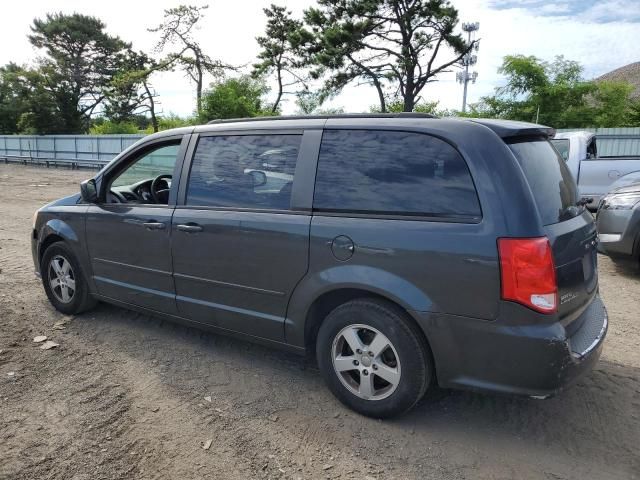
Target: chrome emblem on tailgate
x=567 y=297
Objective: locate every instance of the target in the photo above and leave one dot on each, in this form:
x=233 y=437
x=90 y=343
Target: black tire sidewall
x=414 y=358
x=78 y=303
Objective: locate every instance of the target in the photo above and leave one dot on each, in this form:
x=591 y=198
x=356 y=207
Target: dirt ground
x=130 y=396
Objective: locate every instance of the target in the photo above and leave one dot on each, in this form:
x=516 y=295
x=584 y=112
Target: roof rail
x=321 y=117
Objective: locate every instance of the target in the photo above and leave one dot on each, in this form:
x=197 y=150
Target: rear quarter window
x=549 y=178
x=393 y=173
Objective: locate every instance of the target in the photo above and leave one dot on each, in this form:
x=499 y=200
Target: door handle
x=154 y=225
x=189 y=227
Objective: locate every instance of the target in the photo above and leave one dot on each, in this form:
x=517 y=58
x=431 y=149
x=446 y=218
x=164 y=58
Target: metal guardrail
x=73 y=163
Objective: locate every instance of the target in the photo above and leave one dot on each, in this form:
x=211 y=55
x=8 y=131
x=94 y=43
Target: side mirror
x=88 y=191
x=259 y=178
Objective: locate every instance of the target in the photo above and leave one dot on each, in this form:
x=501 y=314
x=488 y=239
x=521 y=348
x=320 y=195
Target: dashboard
x=140 y=192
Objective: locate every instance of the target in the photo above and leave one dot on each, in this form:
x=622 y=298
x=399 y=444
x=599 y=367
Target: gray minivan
x=402 y=250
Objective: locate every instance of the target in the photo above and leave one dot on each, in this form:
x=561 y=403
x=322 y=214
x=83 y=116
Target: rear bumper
x=533 y=360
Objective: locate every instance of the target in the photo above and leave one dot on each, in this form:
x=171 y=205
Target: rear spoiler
x=512 y=128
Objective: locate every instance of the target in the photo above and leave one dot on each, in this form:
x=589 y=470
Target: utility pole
x=468 y=60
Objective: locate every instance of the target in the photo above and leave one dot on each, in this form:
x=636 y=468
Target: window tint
x=392 y=173
x=244 y=171
x=553 y=186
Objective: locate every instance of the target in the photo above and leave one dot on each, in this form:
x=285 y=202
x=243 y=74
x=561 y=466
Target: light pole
x=468 y=60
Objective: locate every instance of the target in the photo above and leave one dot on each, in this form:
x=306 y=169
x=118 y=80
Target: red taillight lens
x=528 y=274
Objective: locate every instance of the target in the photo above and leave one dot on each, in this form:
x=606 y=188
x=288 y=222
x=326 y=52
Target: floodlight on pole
x=464 y=77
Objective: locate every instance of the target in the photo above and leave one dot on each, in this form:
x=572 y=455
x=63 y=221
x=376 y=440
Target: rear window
x=393 y=173
x=551 y=182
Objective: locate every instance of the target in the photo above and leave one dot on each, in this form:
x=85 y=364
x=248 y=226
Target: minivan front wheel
x=373 y=358
x=63 y=280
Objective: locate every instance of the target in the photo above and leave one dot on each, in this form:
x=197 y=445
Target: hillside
x=629 y=73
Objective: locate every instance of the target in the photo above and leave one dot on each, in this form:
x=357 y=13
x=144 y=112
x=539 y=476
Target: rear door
x=240 y=234
x=569 y=227
x=398 y=212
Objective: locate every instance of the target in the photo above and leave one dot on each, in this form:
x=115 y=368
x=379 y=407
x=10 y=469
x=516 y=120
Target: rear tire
x=373 y=358
x=63 y=280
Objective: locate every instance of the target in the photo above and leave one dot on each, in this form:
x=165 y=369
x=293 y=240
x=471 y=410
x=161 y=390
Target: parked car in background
x=594 y=174
x=402 y=250
x=618 y=221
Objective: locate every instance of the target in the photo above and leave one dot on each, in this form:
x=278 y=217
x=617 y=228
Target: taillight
x=528 y=274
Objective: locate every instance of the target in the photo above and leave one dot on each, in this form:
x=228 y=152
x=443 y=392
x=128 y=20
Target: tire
x=77 y=298
x=405 y=362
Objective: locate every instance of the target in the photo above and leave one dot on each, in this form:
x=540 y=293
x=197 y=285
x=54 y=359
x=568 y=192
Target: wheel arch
x=46 y=243
x=341 y=283
x=56 y=230
x=329 y=300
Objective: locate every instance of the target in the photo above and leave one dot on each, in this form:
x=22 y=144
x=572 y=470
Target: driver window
x=148 y=179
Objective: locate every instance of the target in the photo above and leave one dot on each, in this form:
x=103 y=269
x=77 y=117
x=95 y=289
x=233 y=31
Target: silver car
x=618 y=221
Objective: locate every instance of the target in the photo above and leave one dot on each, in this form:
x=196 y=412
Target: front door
x=239 y=248
x=128 y=233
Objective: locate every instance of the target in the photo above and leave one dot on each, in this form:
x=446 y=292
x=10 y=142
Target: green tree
x=279 y=52
x=235 y=98
x=396 y=105
x=611 y=104
x=26 y=105
x=130 y=92
x=309 y=103
x=167 y=122
x=14 y=97
x=633 y=119
x=177 y=29
x=390 y=44
x=555 y=93
x=42 y=111
x=80 y=60
x=109 y=127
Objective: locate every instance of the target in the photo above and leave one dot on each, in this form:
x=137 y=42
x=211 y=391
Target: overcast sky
x=602 y=35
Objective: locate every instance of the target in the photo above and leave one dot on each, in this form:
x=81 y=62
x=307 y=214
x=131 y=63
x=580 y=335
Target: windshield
x=562 y=146
x=553 y=186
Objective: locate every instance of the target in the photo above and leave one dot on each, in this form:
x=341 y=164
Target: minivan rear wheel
x=373 y=358
x=63 y=281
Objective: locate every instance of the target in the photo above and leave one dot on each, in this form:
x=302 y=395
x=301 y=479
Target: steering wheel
x=117 y=196
x=160 y=195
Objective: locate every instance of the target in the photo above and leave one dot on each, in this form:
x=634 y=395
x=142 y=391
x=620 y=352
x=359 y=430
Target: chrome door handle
x=154 y=225
x=189 y=227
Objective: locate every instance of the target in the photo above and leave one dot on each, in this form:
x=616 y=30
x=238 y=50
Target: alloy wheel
x=366 y=362
x=62 y=279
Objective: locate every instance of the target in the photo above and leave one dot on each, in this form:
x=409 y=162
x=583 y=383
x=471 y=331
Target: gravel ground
x=130 y=396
